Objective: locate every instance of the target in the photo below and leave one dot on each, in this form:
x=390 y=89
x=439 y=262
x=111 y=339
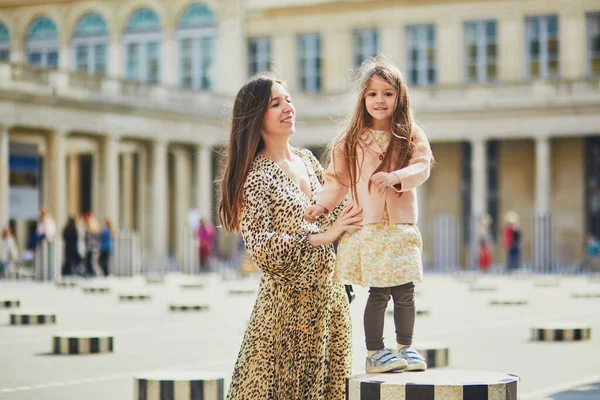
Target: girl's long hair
x=245 y=143
x=402 y=140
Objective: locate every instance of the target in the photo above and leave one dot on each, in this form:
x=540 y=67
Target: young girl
x=380 y=158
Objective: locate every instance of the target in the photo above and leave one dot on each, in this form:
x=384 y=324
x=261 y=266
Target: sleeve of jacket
x=279 y=254
x=337 y=181
x=419 y=167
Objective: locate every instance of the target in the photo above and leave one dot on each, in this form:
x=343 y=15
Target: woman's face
x=279 y=120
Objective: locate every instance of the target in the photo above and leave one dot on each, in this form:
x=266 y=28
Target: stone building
x=114 y=107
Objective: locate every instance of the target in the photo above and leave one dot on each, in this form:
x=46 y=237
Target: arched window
x=42 y=43
x=90 y=45
x=4 y=43
x=196 y=37
x=142 y=46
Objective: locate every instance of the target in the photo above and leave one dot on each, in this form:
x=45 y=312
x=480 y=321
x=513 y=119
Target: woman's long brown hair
x=245 y=143
x=403 y=136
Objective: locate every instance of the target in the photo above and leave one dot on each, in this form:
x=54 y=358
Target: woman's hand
x=314 y=212
x=348 y=220
x=382 y=180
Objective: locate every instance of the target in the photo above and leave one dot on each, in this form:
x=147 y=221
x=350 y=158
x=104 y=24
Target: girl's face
x=380 y=99
x=279 y=118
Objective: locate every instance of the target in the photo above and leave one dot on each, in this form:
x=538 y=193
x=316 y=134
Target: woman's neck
x=377 y=125
x=277 y=151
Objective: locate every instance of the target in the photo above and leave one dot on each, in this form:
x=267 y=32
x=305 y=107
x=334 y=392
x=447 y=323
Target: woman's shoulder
x=258 y=174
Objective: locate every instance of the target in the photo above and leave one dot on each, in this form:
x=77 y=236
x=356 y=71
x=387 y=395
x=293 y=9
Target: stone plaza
x=485 y=323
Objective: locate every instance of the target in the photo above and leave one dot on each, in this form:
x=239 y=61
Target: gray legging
x=404 y=314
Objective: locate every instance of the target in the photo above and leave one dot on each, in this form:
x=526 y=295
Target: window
x=90 y=43
x=142 y=39
x=309 y=62
x=365 y=45
x=4 y=44
x=542 y=47
x=593 y=38
x=421 y=55
x=481 y=53
x=259 y=55
x=196 y=34
x=42 y=43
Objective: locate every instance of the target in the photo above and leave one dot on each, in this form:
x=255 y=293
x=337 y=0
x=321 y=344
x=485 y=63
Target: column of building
x=110 y=179
x=4 y=177
x=478 y=194
x=158 y=194
x=203 y=185
x=182 y=201
x=542 y=222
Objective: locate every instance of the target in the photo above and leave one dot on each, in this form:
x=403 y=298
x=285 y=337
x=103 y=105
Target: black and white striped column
x=509 y=302
x=561 y=333
x=4 y=303
x=82 y=343
x=95 y=289
x=482 y=288
x=66 y=284
x=586 y=295
x=433 y=385
x=135 y=297
x=155 y=279
x=32 y=318
x=196 y=285
x=241 y=291
x=179 y=386
x=188 y=307
x=544 y=283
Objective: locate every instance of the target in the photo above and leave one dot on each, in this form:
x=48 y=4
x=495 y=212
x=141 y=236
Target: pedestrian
x=107 y=235
x=512 y=241
x=484 y=244
x=9 y=252
x=380 y=159
x=72 y=256
x=297 y=344
x=92 y=245
x=593 y=254
x=206 y=238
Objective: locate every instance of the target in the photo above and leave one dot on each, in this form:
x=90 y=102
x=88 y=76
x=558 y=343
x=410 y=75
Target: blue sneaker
x=384 y=361
x=415 y=361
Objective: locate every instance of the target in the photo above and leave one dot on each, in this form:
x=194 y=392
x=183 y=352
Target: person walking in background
x=92 y=245
x=107 y=235
x=484 y=258
x=71 y=243
x=9 y=253
x=512 y=241
x=593 y=254
x=206 y=238
x=46 y=227
x=379 y=160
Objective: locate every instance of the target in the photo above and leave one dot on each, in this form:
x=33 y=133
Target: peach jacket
x=401 y=209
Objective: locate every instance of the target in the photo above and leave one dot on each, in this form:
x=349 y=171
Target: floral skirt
x=380 y=255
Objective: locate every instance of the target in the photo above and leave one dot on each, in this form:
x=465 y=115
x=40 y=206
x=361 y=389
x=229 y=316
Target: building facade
x=118 y=107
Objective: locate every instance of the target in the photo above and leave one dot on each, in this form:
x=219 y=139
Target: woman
x=206 y=238
x=9 y=253
x=106 y=245
x=92 y=244
x=71 y=239
x=297 y=345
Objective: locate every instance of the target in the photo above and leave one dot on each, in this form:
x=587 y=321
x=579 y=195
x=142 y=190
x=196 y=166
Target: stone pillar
x=511 y=47
x=448 y=47
x=115 y=57
x=204 y=181
x=142 y=210
x=181 y=199
x=572 y=43
x=231 y=70
x=64 y=58
x=169 y=59
x=127 y=191
x=338 y=58
x=159 y=223
x=96 y=206
x=479 y=177
x=4 y=175
x=543 y=169
x=73 y=184
x=57 y=163
x=285 y=59
x=391 y=44
x=110 y=179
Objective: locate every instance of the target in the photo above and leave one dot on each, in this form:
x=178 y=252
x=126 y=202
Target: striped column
x=561 y=333
x=82 y=343
x=179 y=386
x=32 y=318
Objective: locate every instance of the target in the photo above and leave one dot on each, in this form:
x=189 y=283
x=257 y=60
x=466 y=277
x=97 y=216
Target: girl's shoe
x=415 y=361
x=384 y=361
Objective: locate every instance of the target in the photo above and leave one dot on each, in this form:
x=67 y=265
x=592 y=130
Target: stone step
x=82 y=343
x=434 y=385
x=179 y=386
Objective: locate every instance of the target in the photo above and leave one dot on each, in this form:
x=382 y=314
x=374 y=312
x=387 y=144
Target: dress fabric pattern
x=298 y=343
x=381 y=254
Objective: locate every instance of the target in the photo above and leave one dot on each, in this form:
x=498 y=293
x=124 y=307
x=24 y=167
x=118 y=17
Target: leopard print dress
x=298 y=344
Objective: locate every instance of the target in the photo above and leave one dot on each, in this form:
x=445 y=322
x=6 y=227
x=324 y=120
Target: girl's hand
x=314 y=212
x=348 y=220
x=382 y=180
